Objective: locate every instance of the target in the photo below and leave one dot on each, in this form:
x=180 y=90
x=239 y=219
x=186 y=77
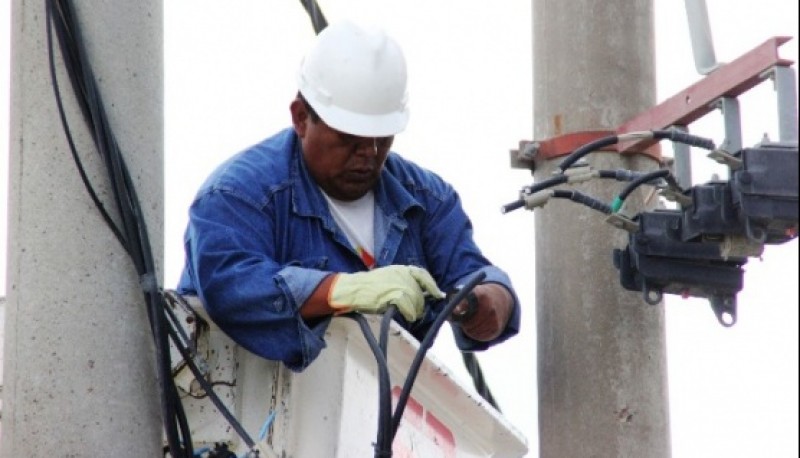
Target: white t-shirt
x=356 y=219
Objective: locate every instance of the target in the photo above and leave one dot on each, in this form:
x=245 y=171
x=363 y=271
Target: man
x=323 y=219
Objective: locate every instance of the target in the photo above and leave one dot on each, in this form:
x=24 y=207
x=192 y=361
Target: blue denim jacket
x=260 y=239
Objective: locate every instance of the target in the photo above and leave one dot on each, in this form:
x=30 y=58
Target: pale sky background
x=230 y=70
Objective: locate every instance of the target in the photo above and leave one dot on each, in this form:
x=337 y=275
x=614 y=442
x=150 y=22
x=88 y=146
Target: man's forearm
x=316 y=305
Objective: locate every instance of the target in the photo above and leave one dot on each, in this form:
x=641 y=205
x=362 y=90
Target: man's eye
x=340 y=141
x=347 y=139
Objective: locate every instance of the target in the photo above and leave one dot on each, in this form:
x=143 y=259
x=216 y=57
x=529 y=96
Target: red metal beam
x=694 y=102
x=682 y=109
x=564 y=144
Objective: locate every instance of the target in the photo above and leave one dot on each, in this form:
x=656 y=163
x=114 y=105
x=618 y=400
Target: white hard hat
x=354 y=77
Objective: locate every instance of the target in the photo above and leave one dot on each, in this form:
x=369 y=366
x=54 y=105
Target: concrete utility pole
x=79 y=359
x=601 y=349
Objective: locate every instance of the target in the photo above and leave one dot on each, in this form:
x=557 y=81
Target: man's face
x=345 y=166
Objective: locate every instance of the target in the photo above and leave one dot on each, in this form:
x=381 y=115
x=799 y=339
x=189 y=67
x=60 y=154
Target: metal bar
x=683 y=161
x=705 y=61
x=733 y=124
x=787 y=103
x=694 y=102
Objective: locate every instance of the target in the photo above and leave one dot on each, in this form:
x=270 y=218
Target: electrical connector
x=700 y=249
x=657 y=261
x=536 y=200
x=765 y=192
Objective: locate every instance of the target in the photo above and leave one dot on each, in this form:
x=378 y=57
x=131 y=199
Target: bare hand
x=494 y=310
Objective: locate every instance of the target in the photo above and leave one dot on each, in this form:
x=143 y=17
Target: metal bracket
x=621 y=222
x=786 y=92
x=731 y=115
x=724 y=308
x=683 y=161
x=674 y=196
x=697 y=100
x=725 y=158
x=718 y=89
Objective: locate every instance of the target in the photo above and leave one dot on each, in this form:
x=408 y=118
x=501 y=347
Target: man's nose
x=367 y=146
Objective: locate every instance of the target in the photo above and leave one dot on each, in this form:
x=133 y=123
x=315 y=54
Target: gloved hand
x=373 y=291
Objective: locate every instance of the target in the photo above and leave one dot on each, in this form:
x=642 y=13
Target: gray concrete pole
x=601 y=350
x=79 y=360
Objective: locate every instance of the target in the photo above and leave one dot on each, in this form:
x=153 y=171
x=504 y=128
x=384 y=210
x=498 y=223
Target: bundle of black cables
x=388 y=422
x=131 y=230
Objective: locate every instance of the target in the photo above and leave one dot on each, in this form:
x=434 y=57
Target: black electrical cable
x=180 y=339
x=619 y=174
x=630 y=175
x=427 y=343
x=180 y=419
x=208 y=388
x=175 y=299
x=511 y=206
x=669 y=134
x=315 y=14
x=478 y=380
x=581 y=198
x=545 y=184
x=176 y=325
x=82 y=103
x=469 y=359
x=586 y=149
x=385 y=413
x=646 y=178
x=616 y=205
x=534 y=188
x=132 y=232
x=388 y=423
x=383 y=444
x=679 y=136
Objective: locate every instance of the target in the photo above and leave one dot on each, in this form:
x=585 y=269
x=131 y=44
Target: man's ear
x=300 y=117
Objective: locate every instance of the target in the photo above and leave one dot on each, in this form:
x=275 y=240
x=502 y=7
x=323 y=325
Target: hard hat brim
x=362 y=125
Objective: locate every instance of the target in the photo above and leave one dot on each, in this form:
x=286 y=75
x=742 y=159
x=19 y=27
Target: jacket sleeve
x=230 y=250
x=453 y=257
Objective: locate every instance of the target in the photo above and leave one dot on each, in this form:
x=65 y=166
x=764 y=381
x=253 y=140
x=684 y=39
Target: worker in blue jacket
x=322 y=218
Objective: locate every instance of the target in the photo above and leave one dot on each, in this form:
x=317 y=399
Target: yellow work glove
x=373 y=291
